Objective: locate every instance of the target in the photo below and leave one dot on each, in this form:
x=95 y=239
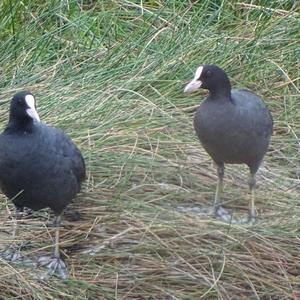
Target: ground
x=111 y=74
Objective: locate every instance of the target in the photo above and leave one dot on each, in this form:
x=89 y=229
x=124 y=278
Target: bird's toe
x=55 y=266
x=223 y=214
x=13 y=252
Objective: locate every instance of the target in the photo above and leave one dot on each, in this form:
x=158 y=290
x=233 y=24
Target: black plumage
x=39 y=165
x=234 y=126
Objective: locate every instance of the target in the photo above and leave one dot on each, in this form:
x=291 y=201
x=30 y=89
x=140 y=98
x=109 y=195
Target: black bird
x=233 y=126
x=39 y=167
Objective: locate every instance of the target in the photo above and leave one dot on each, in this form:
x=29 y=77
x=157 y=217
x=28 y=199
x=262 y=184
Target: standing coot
x=234 y=126
x=39 y=167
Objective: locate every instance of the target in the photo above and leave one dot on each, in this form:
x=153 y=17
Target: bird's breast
x=227 y=133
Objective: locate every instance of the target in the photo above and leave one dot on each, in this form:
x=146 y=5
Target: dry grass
x=144 y=232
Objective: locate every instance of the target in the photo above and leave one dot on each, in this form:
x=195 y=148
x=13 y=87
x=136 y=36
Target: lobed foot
x=245 y=220
x=55 y=265
x=223 y=214
x=13 y=252
x=252 y=217
x=252 y=220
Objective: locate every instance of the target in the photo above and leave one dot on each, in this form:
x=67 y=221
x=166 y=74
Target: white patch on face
x=195 y=84
x=30 y=101
x=198 y=73
x=31 y=111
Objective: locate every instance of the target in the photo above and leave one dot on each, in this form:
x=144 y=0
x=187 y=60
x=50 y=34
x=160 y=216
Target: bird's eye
x=20 y=101
x=208 y=74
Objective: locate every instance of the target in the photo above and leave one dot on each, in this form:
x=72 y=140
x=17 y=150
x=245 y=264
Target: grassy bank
x=111 y=74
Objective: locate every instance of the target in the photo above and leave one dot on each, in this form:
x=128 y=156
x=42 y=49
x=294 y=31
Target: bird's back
x=44 y=167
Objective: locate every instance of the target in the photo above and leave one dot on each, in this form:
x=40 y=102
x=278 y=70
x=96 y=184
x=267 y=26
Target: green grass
x=111 y=74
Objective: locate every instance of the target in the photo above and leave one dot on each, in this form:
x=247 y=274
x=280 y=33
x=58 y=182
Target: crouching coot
x=234 y=126
x=39 y=167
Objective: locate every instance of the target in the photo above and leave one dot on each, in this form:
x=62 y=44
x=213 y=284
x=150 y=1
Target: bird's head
x=208 y=77
x=22 y=107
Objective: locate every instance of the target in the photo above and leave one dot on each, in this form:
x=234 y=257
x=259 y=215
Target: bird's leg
x=220 y=212
x=219 y=190
x=18 y=217
x=55 y=264
x=56 y=223
x=12 y=253
x=252 y=210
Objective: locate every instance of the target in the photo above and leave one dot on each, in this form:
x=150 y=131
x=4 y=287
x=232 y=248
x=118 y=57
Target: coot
x=39 y=167
x=234 y=126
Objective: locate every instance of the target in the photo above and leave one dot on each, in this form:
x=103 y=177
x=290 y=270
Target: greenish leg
x=219 y=190
x=56 y=223
x=252 y=210
x=54 y=263
x=12 y=252
x=18 y=217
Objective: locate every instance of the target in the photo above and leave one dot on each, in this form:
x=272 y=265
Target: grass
x=111 y=74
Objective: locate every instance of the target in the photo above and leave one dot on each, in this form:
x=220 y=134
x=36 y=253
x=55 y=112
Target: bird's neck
x=221 y=92
x=20 y=125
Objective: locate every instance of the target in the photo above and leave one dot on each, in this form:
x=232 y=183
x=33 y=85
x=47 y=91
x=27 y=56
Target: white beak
x=192 y=86
x=33 y=114
x=31 y=111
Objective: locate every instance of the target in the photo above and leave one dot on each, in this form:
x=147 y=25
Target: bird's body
x=234 y=126
x=40 y=168
x=240 y=126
